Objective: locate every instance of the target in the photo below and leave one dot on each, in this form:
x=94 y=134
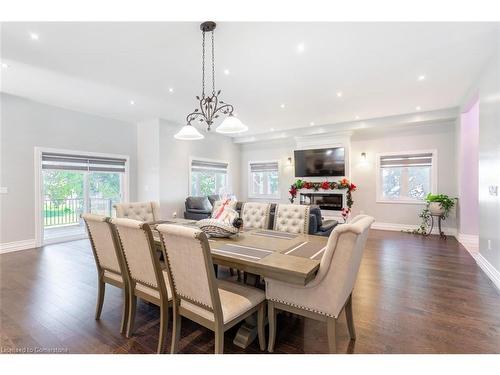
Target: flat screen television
x=322 y=162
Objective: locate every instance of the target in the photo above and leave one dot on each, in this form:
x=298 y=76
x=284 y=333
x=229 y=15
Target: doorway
x=72 y=183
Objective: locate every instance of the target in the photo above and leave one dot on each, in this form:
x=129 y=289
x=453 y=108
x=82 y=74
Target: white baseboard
x=402 y=227
x=470 y=242
x=8 y=247
x=488 y=269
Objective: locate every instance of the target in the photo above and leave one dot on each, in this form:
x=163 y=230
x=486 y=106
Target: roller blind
x=204 y=166
x=406 y=160
x=264 y=167
x=82 y=163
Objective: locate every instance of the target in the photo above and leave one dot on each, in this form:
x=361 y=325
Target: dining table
x=289 y=257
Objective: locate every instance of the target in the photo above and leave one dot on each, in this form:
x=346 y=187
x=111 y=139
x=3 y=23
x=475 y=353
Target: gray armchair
x=197 y=208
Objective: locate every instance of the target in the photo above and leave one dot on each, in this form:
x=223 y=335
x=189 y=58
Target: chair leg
x=132 y=305
x=123 y=327
x=260 y=326
x=349 y=318
x=219 y=340
x=163 y=327
x=216 y=269
x=271 y=315
x=101 y=288
x=176 y=332
x=332 y=342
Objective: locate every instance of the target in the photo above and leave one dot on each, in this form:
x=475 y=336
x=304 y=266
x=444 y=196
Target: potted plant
x=439 y=204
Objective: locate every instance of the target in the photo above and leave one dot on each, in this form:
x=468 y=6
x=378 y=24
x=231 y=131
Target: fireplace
x=325 y=201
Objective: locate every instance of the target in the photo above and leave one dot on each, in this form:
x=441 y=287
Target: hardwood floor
x=413 y=295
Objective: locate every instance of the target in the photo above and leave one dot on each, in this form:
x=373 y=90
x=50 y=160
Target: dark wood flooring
x=413 y=295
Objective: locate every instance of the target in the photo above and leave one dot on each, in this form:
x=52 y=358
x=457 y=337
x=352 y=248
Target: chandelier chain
x=213 y=65
x=203 y=67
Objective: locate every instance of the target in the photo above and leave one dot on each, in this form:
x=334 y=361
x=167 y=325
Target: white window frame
x=229 y=185
x=434 y=176
x=38 y=151
x=250 y=180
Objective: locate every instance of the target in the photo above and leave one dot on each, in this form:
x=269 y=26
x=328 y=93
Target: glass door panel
x=105 y=189
x=63 y=203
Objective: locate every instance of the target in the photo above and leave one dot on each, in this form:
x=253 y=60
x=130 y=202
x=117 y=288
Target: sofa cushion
x=199 y=203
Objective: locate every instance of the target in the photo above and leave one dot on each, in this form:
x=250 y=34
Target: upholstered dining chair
x=331 y=291
x=197 y=295
x=256 y=215
x=292 y=218
x=107 y=259
x=143 y=271
x=142 y=211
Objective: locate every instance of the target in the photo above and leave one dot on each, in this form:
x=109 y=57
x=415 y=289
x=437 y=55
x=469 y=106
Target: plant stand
x=431 y=226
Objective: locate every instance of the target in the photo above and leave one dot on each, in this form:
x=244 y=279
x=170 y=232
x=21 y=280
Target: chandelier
x=210 y=105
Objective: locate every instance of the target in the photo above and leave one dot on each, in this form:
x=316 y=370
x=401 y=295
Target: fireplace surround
x=325 y=201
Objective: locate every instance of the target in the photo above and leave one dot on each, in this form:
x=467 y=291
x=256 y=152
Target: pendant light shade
x=188 y=133
x=231 y=125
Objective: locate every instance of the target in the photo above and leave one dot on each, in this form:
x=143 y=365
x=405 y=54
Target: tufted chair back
x=141 y=211
x=190 y=265
x=103 y=244
x=256 y=215
x=337 y=274
x=137 y=247
x=292 y=218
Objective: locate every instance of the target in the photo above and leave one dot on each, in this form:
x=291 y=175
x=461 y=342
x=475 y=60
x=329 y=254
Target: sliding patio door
x=73 y=184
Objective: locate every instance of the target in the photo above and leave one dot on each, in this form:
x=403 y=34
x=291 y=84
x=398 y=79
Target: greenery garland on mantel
x=325 y=185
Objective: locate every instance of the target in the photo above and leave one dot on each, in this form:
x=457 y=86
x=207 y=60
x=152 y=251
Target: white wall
x=148 y=160
x=171 y=157
x=488 y=92
x=439 y=136
x=26 y=124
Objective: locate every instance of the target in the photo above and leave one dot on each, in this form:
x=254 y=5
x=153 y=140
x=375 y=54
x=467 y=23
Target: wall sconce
x=289 y=161
x=363 y=156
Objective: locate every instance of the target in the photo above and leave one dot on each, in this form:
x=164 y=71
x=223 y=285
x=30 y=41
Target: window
x=406 y=176
x=263 y=179
x=209 y=177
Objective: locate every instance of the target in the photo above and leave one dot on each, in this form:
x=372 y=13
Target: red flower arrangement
x=325 y=185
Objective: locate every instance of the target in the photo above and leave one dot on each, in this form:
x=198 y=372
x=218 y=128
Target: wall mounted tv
x=322 y=162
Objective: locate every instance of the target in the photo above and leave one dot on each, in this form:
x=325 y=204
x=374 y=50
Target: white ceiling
x=100 y=67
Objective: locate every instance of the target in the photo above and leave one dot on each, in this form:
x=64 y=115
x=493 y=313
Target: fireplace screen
x=333 y=202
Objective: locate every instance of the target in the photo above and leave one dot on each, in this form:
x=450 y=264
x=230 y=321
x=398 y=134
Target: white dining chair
x=292 y=218
x=331 y=290
x=143 y=271
x=198 y=295
x=255 y=215
x=107 y=259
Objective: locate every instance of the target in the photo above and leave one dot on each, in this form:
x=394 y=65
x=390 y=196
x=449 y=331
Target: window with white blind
x=208 y=177
x=406 y=176
x=263 y=178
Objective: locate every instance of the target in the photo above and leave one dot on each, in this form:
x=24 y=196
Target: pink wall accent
x=468 y=154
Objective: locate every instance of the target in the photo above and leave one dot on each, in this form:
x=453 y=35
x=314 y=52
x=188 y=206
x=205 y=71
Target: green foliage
x=445 y=202
x=60 y=185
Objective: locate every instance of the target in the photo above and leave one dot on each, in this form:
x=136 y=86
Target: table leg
x=248 y=330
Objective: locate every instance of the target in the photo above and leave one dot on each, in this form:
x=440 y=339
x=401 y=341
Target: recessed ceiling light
x=272 y=129
x=357 y=117
x=418 y=108
x=170 y=90
x=339 y=94
x=282 y=105
x=421 y=77
x=5 y=65
x=34 y=36
x=301 y=47
x=311 y=123
x=226 y=72
x=132 y=102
